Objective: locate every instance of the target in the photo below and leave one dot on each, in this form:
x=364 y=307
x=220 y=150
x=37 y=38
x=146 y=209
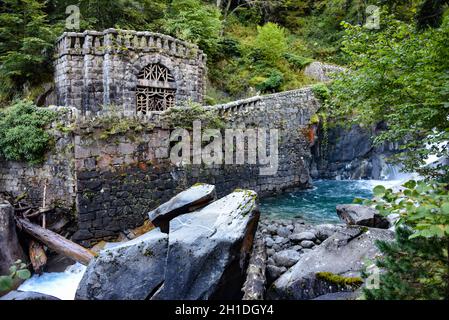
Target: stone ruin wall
x=114 y=180
x=56 y=174
x=95 y=69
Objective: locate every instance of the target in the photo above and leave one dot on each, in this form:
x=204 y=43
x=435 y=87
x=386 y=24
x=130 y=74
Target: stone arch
x=138 y=64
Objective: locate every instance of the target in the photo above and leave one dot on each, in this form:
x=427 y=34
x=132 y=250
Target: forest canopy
x=251 y=45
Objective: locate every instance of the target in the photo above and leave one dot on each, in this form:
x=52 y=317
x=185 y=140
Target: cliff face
x=351 y=154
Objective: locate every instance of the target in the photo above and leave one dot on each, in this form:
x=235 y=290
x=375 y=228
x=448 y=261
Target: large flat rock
x=209 y=250
x=189 y=200
x=129 y=271
x=355 y=214
x=344 y=253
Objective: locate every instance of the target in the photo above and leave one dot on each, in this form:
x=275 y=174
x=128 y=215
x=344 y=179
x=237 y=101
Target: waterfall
x=61 y=285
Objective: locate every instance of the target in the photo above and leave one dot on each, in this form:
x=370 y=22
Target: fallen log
x=56 y=242
x=37 y=255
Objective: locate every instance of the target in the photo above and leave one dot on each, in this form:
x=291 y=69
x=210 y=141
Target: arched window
x=156 y=89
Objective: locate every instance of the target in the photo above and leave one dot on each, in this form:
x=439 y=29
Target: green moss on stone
x=339 y=280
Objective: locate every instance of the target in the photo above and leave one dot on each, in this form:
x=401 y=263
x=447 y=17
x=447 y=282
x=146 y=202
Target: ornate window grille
x=155 y=90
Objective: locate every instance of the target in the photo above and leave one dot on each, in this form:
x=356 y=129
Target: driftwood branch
x=56 y=242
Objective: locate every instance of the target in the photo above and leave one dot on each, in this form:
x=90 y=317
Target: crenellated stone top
x=118 y=41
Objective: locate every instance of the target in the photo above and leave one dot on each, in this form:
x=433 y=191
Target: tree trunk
x=57 y=242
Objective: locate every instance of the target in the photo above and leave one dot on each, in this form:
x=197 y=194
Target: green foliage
x=122 y=14
x=417 y=264
x=298 y=62
x=26 y=43
x=184 y=116
x=271 y=43
x=413 y=269
x=22 y=132
x=321 y=91
x=399 y=76
x=272 y=83
x=422 y=205
x=195 y=22
x=17 y=271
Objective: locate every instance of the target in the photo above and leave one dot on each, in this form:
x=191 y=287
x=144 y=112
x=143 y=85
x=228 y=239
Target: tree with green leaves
x=26 y=44
x=400 y=76
x=417 y=264
x=414 y=269
x=196 y=22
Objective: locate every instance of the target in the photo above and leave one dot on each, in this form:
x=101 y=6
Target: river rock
x=27 y=295
x=189 y=200
x=274 y=272
x=286 y=258
x=128 y=271
x=355 y=214
x=284 y=232
x=306 y=235
x=10 y=249
x=307 y=244
x=280 y=240
x=269 y=242
x=324 y=231
x=209 y=250
x=343 y=253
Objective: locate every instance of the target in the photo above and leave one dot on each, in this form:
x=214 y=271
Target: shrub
x=184 y=116
x=415 y=269
x=272 y=83
x=321 y=91
x=297 y=62
x=271 y=42
x=193 y=21
x=17 y=271
x=22 y=132
x=416 y=265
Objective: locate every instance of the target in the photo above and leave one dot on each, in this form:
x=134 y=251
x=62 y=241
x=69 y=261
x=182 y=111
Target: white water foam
x=61 y=285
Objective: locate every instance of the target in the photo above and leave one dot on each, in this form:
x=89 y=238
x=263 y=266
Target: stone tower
x=138 y=71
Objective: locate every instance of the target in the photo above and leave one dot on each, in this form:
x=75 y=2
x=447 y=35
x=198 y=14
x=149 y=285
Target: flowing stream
x=313 y=206
x=317 y=205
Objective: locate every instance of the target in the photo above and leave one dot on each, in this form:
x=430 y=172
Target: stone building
x=138 y=71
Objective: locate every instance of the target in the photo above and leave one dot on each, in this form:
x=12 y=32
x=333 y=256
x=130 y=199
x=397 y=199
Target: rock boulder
x=344 y=253
x=355 y=214
x=129 y=271
x=189 y=200
x=209 y=250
